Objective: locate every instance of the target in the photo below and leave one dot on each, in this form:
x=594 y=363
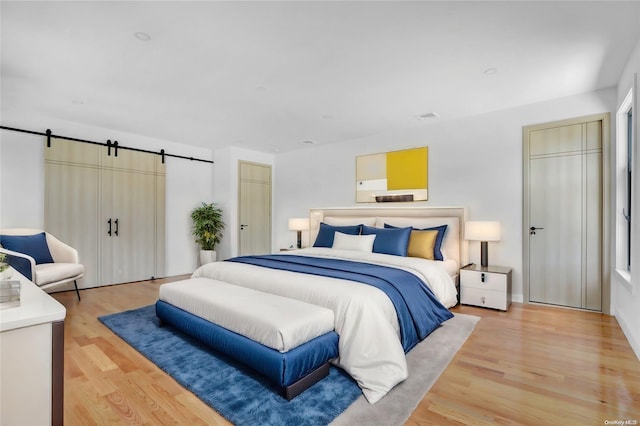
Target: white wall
x=474 y=162
x=625 y=297
x=22 y=180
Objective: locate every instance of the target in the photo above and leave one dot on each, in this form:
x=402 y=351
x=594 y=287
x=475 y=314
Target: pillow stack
x=424 y=243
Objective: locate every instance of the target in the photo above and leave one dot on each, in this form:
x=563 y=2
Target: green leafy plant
x=207 y=225
x=4 y=265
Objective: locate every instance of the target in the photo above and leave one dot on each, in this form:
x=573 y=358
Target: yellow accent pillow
x=421 y=244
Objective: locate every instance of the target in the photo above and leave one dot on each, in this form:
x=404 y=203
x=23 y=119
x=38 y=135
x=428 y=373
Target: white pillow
x=353 y=242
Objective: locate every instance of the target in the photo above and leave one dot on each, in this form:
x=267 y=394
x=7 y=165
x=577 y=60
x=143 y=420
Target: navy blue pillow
x=437 y=248
x=31 y=245
x=389 y=241
x=327 y=232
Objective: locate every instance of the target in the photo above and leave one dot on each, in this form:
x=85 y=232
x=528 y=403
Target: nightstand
x=486 y=286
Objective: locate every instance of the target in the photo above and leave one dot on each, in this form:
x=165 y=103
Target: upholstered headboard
x=454 y=244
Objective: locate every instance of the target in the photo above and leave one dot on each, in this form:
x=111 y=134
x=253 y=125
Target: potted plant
x=207 y=228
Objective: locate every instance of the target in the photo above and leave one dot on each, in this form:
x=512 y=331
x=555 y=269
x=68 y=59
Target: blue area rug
x=234 y=391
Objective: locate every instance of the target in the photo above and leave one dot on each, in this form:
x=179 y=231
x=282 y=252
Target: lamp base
x=484 y=253
x=299 y=239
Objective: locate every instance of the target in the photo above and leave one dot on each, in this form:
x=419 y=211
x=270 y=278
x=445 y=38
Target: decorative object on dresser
x=482 y=231
x=299 y=224
x=486 y=286
x=207 y=228
x=9 y=294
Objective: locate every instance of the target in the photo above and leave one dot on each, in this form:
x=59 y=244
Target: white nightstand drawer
x=483 y=280
x=484 y=298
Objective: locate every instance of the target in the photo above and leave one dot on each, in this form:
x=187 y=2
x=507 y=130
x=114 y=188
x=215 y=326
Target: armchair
x=41 y=257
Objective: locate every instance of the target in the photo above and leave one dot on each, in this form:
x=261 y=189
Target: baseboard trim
x=628 y=332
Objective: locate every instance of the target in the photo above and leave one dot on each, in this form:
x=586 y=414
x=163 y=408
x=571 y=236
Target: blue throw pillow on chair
x=31 y=245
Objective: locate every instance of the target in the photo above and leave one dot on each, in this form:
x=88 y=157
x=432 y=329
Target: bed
x=373 y=334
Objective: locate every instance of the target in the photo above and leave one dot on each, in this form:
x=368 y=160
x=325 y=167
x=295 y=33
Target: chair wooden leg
x=77 y=292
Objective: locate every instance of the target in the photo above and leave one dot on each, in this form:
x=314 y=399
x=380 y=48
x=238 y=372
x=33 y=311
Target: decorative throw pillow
x=353 y=242
x=31 y=245
x=389 y=241
x=437 y=248
x=326 y=232
x=421 y=244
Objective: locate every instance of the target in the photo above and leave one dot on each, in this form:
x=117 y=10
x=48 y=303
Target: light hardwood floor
x=531 y=365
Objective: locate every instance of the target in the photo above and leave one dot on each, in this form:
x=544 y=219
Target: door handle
x=109 y=231
x=116 y=232
x=243 y=226
x=532 y=230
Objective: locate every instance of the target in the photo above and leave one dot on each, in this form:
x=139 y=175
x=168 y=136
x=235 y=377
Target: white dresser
x=486 y=286
x=32 y=358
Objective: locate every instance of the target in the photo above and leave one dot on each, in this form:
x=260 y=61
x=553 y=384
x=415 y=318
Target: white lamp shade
x=482 y=231
x=298 y=224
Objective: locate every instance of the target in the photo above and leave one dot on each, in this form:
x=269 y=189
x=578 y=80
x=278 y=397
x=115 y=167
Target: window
x=624 y=148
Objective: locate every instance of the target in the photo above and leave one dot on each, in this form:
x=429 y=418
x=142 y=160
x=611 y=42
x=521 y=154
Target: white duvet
x=369 y=348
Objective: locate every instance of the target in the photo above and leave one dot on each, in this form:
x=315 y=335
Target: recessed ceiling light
x=142 y=36
x=490 y=71
x=428 y=115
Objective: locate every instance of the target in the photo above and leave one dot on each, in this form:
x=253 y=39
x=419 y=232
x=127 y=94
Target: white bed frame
x=455 y=216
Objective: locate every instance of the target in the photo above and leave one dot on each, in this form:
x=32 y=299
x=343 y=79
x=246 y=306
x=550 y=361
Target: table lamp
x=299 y=224
x=483 y=231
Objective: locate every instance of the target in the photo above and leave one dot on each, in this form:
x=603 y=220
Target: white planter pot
x=207 y=256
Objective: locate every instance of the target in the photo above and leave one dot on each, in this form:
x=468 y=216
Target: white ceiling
x=269 y=75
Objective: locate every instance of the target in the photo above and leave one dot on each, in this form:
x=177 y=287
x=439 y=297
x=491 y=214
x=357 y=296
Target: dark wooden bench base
x=295 y=389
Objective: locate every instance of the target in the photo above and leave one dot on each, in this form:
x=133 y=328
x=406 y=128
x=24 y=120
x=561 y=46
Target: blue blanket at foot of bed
x=419 y=311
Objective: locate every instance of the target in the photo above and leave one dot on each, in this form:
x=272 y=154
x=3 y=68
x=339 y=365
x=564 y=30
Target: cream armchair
x=41 y=257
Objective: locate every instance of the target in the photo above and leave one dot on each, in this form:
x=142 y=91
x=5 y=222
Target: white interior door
x=130 y=211
x=130 y=249
x=565 y=215
x=72 y=201
x=110 y=208
x=254 y=201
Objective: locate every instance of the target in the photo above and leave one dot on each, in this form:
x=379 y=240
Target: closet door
x=129 y=215
x=160 y=219
x=72 y=201
x=110 y=207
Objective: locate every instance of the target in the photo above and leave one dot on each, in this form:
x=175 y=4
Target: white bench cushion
x=277 y=322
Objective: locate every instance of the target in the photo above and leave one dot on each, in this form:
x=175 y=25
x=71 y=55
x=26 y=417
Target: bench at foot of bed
x=302 y=334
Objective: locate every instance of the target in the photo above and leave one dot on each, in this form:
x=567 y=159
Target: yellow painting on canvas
x=407 y=169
